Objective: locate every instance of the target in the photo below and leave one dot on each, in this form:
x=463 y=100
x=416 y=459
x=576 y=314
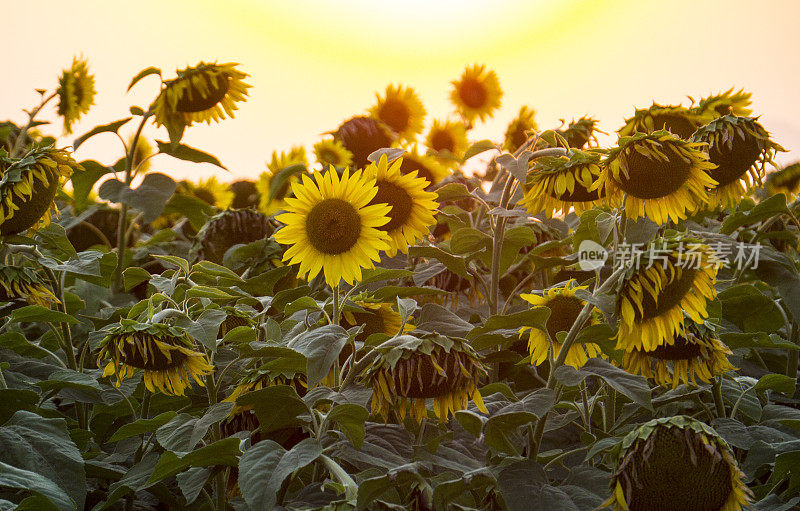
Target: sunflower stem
x=336 y=312
x=3 y=385
x=716 y=391
x=24 y=131
x=497 y=247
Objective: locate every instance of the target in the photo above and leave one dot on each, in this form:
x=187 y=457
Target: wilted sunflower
x=426 y=167
x=477 y=93
x=228 y=228
x=556 y=184
x=75 y=93
x=579 y=133
x=677 y=463
x=376 y=318
x=401 y=110
x=668 y=282
x=28 y=187
x=448 y=140
x=724 y=103
x=203 y=93
x=23 y=284
x=676 y=119
x=363 y=136
x=520 y=127
x=740 y=148
x=786 y=180
x=331 y=225
x=406 y=375
x=166 y=354
x=664 y=177
x=565 y=308
x=245 y=194
x=413 y=209
x=210 y=191
x=332 y=152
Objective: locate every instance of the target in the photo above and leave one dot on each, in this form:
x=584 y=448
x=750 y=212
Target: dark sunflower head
x=580 y=133
x=519 y=129
x=229 y=228
x=245 y=194
x=235 y=318
x=363 y=136
x=20 y=284
x=785 y=180
x=677 y=460
x=28 y=187
x=167 y=355
x=75 y=93
x=99 y=228
x=678 y=120
x=415 y=369
x=740 y=148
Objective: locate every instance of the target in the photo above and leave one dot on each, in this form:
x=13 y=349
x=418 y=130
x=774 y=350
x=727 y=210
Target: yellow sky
x=314 y=63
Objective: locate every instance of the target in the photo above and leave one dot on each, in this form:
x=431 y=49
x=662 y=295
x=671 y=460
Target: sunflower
x=724 y=103
x=203 y=93
x=678 y=120
x=406 y=375
x=786 y=180
x=272 y=200
x=330 y=224
x=295 y=156
x=332 y=152
x=740 y=148
x=99 y=228
x=663 y=176
x=677 y=460
x=556 y=184
x=447 y=140
x=166 y=354
x=579 y=133
x=564 y=310
x=656 y=293
x=208 y=190
x=245 y=194
x=426 y=167
x=23 y=284
x=376 y=318
x=234 y=318
x=228 y=228
x=477 y=93
x=413 y=209
x=692 y=353
x=519 y=129
x=401 y=110
x=75 y=93
x=363 y=136
x=28 y=187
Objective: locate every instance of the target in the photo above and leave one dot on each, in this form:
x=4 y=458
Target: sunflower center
x=677 y=124
x=442 y=140
x=670 y=295
x=652 y=179
x=564 y=310
x=674 y=467
x=395 y=114
x=193 y=100
x=205 y=195
x=420 y=379
x=473 y=93
x=681 y=349
x=333 y=226
x=400 y=201
x=409 y=165
x=153 y=359
x=732 y=162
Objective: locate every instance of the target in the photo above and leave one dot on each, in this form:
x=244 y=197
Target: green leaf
x=437 y=319
x=212 y=293
x=502 y=426
x=753 y=340
x=303 y=303
x=136 y=110
x=764 y=210
x=535 y=317
x=453 y=191
x=264 y=467
x=478 y=148
x=321 y=347
x=478 y=481
x=468 y=240
x=222 y=452
x=787 y=464
x=240 y=335
x=524 y=487
x=401 y=477
x=276 y=407
x=106 y=128
x=35 y=313
x=142 y=426
x=183 y=432
x=84 y=263
x=215 y=270
x=195 y=210
x=350 y=418
x=144 y=72
x=20 y=345
x=83 y=180
x=192 y=482
x=370 y=275
x=149 y=197
x=454 y=263
x=470 y=421
x=184 y=152
x=67 y=378
x=14 y=400
x=750 y=309
x=518 y=167
x=777 y=382
x=134 y=276
x=27 y=481
x=634 y=387
x=281 y=180
x=406 y=307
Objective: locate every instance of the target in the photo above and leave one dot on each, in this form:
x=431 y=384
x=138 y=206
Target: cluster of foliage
x=379 y=330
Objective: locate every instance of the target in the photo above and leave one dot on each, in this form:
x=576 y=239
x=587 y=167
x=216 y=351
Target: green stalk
x=716 y=391
x=24 y=131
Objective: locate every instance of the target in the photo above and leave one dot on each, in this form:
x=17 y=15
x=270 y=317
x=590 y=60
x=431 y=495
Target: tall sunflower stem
x=18 y=143
x=3 y=385
x=336 y=311
x=497 y=247
x=716 y=391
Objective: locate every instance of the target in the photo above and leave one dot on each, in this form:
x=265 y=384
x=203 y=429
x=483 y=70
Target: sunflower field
x=372 y=324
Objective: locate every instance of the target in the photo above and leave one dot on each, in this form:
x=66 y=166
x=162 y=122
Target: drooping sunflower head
x=167 y=355
x=674 y=276
x=332 y=152
x=377 y=318
x=245 y=194
x=209 y=190
x=785 y=180
x=75 y=93
x=724 y=103
x=413 y=209
x=416 y=369
x=565 y=308
x=447 y=140
x=426 y=167
x=556 y=184
x=678 y=120
x=663 y=176
x=363 y=136
x=740 y=148
x=401 y=110
x=519 y=129
x=693 y=353
x=28 y=187
x=234 y=318
x=677 y=460
x=579 y=133
x=228 y=228
x=203 y=93
x=99 y=228
x=19 y=284
x=477 y=93
x=331 y=224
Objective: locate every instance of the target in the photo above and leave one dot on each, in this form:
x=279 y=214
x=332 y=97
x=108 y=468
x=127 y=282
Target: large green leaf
x=184 y=152
x=149 y=197
x=112 y=127
x=183 y=432
x=632 y=386
x=141 y=426
x=321 y=347
x=750 y=309
x=276 y=407
x=221 y=452
x=350 y=418
x=14 y=478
